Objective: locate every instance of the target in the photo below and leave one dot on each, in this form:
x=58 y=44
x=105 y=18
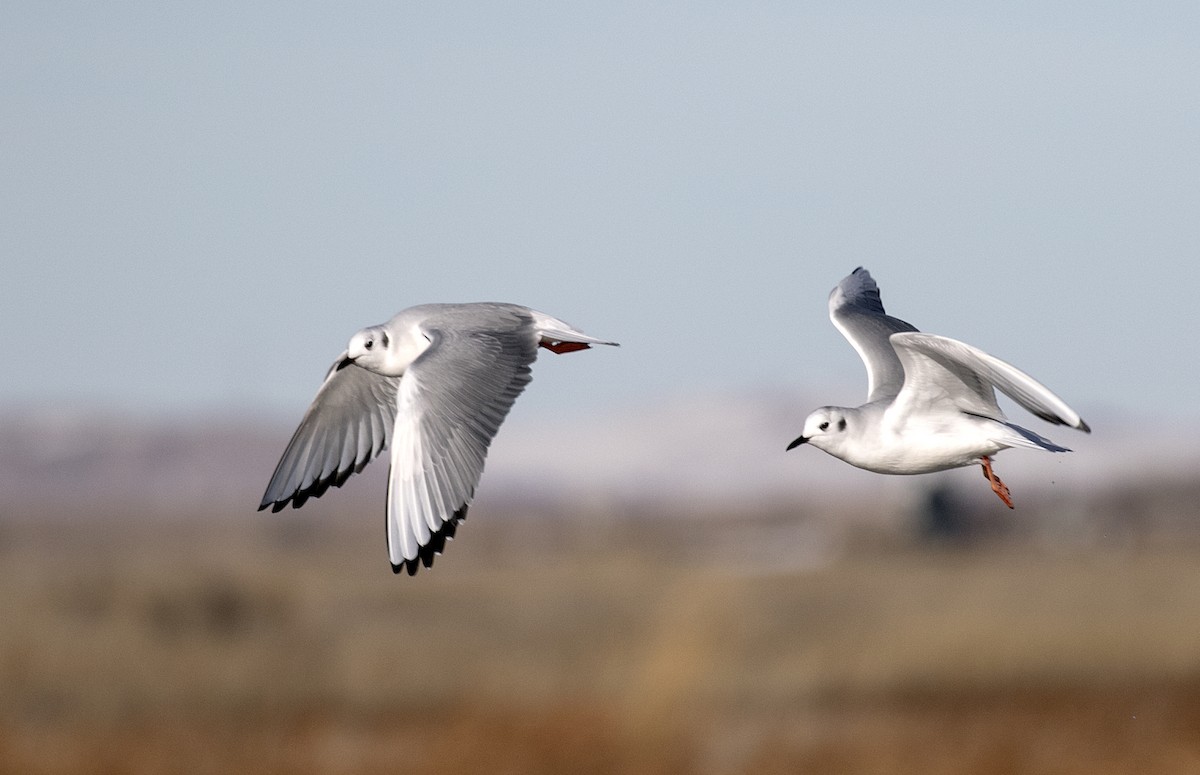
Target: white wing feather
x=450 y=405
x=942 y=369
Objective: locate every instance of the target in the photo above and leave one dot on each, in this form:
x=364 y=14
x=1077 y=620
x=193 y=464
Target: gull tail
x=551 y=329
x=1015 y=436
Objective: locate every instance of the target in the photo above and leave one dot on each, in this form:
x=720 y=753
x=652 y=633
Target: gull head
x=825 y=429
x=371 y=348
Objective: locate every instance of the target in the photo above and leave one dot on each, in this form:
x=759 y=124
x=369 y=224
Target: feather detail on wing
x=348 y=424
x=856 y=309
x=944 y=369
x=450 y=405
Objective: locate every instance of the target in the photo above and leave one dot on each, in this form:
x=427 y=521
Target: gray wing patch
x=856 y=309
x=452 y=401
x=859 y=289
x=348 y=424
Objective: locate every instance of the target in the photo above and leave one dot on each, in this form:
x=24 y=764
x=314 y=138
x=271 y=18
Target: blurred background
x=200 y=204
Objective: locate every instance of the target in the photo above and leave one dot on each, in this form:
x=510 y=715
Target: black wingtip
x=1054 y=419
x=435 y=546
x=408 y=565
x=412 y=566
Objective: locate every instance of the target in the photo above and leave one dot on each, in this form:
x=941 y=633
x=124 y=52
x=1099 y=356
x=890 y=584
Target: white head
x=826 y=429
x=371 y=348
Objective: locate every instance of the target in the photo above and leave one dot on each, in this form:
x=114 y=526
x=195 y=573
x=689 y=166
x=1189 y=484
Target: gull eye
x=823 y=426
x=369 y=344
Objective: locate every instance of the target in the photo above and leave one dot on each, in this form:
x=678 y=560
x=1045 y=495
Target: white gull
x=433 y=384
x=931 y=400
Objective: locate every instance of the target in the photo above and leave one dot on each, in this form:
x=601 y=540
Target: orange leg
x=558 y=348
x=998 y=487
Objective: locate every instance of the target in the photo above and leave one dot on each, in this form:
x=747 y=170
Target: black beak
x=798 y=442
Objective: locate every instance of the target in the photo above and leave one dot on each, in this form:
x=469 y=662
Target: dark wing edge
x=347 y=426
x=476 y=378
x=856 y=309
x=435 y=546
x=860 y=290
x=1030 y=394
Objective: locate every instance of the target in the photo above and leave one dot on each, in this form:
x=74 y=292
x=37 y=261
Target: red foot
x=558 y=348
x=998 y=487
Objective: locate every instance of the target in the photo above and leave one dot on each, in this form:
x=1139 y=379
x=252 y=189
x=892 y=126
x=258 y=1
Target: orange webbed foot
x=998 y=487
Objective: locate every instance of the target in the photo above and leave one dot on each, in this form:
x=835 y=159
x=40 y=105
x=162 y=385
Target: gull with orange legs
x=931 y=400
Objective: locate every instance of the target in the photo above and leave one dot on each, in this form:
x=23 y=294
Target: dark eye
x=369 y=344
x=823 y=426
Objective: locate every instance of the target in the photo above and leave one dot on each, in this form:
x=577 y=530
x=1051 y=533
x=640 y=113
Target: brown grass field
x=284 y=644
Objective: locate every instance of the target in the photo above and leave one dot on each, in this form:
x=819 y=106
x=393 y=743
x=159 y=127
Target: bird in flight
x=931 y=400
x=432 y=385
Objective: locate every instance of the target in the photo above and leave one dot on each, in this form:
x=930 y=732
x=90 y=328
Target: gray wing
x=944 y=370
x=349 y=423
x=451 y=403
x=856 y=309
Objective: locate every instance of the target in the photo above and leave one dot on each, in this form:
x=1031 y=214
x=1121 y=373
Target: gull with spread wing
x=433 y=385
x=931 y=400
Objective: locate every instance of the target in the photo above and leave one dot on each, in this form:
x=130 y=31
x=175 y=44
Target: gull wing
x=939 y=369
x=450 y=405
x=856 y=309
x=348 y=424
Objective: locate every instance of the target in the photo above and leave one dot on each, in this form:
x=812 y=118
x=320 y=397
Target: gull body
x=931 y=402
x=432 y=385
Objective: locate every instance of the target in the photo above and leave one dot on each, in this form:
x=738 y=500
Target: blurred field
x=284 y=644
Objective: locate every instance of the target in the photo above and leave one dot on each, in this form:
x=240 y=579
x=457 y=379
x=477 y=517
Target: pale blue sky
x=200 y=203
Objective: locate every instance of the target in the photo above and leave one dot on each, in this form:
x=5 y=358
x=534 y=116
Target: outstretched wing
x=450 y=405
x=941 y=369
x=856 y=310
x=348 y=424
